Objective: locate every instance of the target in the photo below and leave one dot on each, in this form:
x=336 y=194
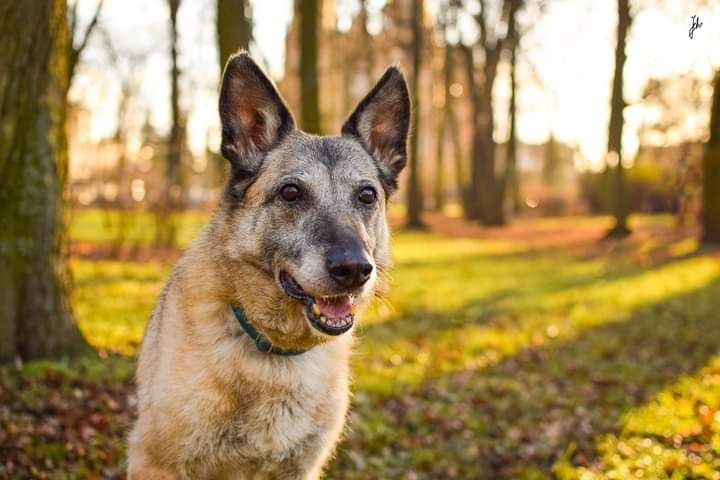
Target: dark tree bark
x=617 y=105
x=486 y=194
x=172 y=196
x=471 y=194
x=414 y=198
x=368 y=45
x=35 y=315
x=511 y=172
x=78 y=40
x=234 y=29
x=442 y=122
x=711 y=173
x=309 y=13
x=458 y=153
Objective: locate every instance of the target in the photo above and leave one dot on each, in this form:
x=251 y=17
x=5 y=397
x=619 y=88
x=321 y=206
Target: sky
x=565 y=74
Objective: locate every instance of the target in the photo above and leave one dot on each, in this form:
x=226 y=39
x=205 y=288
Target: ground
x=533 y=351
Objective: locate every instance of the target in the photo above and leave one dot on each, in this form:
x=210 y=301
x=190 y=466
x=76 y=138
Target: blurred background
x=553 y=308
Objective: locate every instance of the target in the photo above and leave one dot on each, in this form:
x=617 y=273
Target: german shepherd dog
x=243 y=371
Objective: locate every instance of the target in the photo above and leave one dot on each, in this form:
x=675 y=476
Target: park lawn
x=498 y=356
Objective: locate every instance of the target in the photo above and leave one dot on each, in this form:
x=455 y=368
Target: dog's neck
x=263 y=344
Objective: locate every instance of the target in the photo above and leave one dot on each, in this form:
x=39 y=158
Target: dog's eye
x=367 y=195
x=290 y=193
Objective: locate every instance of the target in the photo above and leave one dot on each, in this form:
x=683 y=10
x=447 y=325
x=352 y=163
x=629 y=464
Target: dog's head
x=303 y=216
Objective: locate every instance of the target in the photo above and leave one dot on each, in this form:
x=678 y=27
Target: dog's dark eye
x=367 y=195
x=290 y=193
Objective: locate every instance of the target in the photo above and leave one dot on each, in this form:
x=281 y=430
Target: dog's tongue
x=335 y=307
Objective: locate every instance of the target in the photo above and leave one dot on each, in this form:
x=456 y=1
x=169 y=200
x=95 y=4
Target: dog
x=243 y=369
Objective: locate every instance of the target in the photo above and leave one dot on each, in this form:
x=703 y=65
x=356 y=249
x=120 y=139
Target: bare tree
x=368 y=41
x=234 y=28
x=711 y=173
x=35 y=315
x=172 y=196
x=414 y=199
x=309 y=14
x=79 y=39
x=511 y=180
x=617 y=105
x=486 y=194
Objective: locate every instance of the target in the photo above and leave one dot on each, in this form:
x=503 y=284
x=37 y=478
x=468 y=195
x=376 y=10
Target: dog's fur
x=211 y=405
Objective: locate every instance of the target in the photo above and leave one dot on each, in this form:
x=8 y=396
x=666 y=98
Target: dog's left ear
x=381 y=121
x=253 y=115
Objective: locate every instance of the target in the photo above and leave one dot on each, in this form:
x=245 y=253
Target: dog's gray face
x=309 y=211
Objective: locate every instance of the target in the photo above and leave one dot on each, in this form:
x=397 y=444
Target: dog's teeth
x=316 y=309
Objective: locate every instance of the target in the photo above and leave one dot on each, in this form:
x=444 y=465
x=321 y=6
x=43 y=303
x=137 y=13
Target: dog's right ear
x=253 y=115
x=381 y=123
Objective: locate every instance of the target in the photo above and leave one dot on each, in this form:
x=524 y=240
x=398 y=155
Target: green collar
x=262 y=343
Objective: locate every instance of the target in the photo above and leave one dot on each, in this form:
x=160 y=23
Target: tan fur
x=211 y=405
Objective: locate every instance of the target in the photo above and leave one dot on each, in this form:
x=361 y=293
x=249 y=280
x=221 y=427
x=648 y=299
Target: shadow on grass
x=538 y=274
x=514 y=419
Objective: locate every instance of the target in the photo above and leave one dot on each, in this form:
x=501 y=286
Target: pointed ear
x=381 y=121
x=253 y=115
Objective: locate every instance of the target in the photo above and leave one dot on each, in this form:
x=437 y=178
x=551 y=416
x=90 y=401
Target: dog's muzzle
x=332 y=314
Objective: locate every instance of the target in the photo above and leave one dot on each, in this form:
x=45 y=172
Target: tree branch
x=76 y=50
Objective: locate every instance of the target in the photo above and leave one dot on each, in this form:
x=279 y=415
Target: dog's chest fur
x=238 y=412
x=273 y=426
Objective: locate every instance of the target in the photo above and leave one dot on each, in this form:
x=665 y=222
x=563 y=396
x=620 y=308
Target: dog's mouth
x=331 y=314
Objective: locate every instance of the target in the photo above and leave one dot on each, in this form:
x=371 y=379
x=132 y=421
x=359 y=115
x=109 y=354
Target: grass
x=494 y=356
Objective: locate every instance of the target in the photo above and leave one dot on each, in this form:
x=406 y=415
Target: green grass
x=496 y=358
x=103 y=227
x=112 y=300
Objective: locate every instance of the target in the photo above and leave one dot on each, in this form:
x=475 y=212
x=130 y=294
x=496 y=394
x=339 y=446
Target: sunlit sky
x=570 y=49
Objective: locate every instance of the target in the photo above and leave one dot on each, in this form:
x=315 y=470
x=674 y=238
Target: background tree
x=512 y=177
x=711 y=173
x=308 y=12
x=673 y=111
x=79 y=38
x=442 y=118
x=35 y=316
x=615 y=129
x=234 y=29
x=172 y=194
x=486 y=193
x=414 y=196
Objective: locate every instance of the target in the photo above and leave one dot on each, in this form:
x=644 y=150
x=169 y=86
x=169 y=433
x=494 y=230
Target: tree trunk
x=487 y=192
x=309 y=13
x=511 y=170
x=458 y=153
x=234 y=29
x=35 y=314
x=368 y=45
x=711 y=173
x=490 y=195
x=414 y=199
x=443 y=119
x=471 y=194
x=172 y=196
x=617 y=105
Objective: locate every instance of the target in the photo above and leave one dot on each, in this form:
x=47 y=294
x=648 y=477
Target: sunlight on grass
x=113 y=300
x=491 y=355
x=675 y=436
x=473 y=310
x=103 y=226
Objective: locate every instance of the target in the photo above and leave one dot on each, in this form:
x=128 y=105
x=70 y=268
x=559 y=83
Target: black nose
x=348 y=267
